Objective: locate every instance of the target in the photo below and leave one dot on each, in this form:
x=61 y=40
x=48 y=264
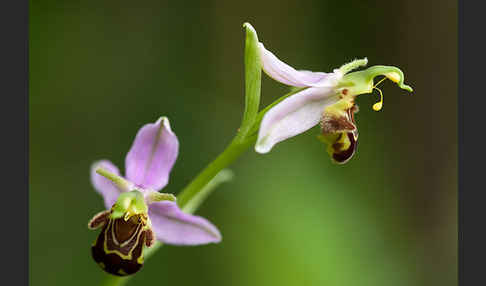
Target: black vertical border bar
x=471 y=116
x=26 y=49
x=14 y=33
x=460 y=143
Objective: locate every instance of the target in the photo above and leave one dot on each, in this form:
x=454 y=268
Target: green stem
x=224 y=175
x=229 y=155
x=193 y=191
x=112 y=280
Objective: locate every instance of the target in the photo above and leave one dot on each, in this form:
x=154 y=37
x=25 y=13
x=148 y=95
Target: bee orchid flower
x=327 y=99
x=137 y=213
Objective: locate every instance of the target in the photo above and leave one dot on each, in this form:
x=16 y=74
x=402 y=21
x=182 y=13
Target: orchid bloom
x=327 y=99
x=137 y=213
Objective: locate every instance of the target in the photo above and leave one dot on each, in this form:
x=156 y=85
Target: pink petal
x=103 y=186
x=294 y=115
x=152 y=155
x=286 y=74
x=172 y=226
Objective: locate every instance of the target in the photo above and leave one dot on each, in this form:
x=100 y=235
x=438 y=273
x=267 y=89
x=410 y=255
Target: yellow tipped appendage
x=379 y=105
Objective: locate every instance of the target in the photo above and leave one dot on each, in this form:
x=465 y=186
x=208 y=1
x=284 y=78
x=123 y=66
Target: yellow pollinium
x=378 y=106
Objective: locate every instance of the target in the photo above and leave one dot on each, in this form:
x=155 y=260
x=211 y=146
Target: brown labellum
x=343 y=156
x=345 y=126
x=118 y=249
x=331 y=123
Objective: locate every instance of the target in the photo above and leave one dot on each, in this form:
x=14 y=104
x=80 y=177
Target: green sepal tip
x=346 y=68
x=253 y=75
x=119 y=181
x=158 y=197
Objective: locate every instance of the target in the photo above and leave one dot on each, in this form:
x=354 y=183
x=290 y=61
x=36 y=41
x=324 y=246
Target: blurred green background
x=99 y=70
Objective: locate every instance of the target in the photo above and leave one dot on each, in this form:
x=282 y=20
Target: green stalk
x=112 y=280
x=229 y=155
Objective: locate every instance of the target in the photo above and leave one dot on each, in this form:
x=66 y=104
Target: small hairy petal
x=102 y=185
x=294 y=115
x=152 y=155
x=149 y=237
x=99 y=219
x=172 y=226
x=282 y=72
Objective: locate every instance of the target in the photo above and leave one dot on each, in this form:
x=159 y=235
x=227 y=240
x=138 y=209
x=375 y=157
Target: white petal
x=294 y=115
x=286 y=74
